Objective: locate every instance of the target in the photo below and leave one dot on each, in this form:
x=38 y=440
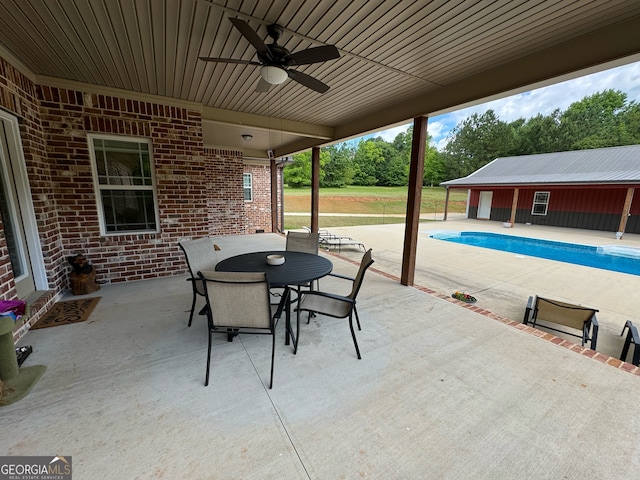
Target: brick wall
x=18 y=96
x=199 y=189
x=259 y=208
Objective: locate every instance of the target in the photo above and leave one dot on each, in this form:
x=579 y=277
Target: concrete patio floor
x=442 y=391
x=502 y=281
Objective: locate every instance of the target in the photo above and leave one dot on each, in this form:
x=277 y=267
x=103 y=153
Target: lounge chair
x=570 y=315
x=328 y=240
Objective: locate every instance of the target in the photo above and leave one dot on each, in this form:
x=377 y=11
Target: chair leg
x=273 y=355
x=206 y=380
x=357 y=318
x=193 y=306
x=627 y=344
x=353 y=335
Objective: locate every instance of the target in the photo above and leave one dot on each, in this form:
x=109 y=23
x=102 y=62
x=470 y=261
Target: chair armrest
x=328 y=295
x=527 y=311
x=341 y=276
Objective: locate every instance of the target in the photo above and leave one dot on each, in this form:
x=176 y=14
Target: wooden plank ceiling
x=399 y=58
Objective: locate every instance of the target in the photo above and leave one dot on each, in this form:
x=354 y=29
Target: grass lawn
x=379 y=202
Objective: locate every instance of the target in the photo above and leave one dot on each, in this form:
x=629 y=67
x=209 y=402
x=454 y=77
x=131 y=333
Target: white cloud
x=529 y=104
x=391 y=134
x=546 y=99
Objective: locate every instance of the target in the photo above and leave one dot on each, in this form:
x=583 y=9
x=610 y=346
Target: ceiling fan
x=276 y=60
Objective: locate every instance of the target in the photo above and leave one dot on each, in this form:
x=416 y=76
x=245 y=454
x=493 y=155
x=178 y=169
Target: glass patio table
x=298 y=269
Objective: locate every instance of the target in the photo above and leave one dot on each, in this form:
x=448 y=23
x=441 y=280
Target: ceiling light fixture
x=273 y=75
x=246 y=137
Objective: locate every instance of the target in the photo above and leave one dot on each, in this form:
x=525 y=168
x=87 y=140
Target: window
x=540 y=203
x=246 y=183
x=125 y=185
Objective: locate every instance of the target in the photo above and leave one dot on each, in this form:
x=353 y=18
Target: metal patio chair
x=338 y=306
x=239 y=302
x=201 y=254
x=570 y=315
x=305 y=242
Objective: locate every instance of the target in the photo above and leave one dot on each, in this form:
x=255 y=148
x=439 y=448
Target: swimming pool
x=618 y=258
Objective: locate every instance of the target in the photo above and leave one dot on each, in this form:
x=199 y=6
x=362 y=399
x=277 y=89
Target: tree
x=479 y=140
x=338 y=168
x=434 y=168
x=368 y=154
x=595 y=121
x=539 y=134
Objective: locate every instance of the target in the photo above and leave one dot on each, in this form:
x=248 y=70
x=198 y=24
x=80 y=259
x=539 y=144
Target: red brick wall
x=199 y=189
x=18 y=96
x=259 y=209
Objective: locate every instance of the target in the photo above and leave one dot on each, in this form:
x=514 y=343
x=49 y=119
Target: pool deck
x=503 y=281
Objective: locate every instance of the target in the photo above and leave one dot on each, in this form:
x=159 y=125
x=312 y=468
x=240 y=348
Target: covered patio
x=441 y=392
x=181 y=82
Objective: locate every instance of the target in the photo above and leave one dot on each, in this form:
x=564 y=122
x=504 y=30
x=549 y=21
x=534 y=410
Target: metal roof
x=398 y=59
x=600 y=165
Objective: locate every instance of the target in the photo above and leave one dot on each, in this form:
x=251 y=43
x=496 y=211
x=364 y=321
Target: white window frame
x=99 y=188
x=246 y=187
x=537 y=202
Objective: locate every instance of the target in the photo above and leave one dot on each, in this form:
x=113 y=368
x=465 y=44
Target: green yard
x=367 y=205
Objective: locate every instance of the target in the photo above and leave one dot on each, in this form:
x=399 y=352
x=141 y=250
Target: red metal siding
x=596 y=207
x=502 y=199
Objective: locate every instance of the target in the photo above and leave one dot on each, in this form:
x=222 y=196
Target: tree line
x=604 y=119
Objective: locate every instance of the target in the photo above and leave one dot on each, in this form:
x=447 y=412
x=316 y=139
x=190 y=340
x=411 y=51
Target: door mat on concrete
x=71 y=311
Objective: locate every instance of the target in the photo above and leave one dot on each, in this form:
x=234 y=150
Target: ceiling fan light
x=273 y=75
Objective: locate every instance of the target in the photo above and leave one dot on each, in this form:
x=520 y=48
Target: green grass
x=379 y=202
x=296 y=222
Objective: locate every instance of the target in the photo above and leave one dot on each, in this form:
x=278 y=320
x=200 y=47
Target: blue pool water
x=607 y=257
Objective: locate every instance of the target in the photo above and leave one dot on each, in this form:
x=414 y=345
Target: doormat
x=71 y=311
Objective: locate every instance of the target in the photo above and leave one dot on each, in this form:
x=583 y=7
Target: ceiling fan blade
x=251 y=35
x=263 y=86
x=307 y=81
x=314 y=55
x=229 y=60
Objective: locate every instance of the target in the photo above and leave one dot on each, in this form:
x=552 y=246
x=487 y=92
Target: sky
x=529 y=104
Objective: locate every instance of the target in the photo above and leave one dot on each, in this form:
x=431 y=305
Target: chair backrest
x=563 y=313
x=238 y=299
x=365 y=263
x=201 y=254
x=306 y=242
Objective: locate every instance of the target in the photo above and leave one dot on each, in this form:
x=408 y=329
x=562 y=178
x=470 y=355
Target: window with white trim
x=247 y=186
x=540 y=203
x=125 y=184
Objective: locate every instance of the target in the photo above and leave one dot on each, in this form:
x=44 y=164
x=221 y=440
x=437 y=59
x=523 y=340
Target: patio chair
x=306 y=242
x=200 y=255
x=632 y=337
x=338 y=306
x=570 y=315
x=239 y=301
x=328 y=240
